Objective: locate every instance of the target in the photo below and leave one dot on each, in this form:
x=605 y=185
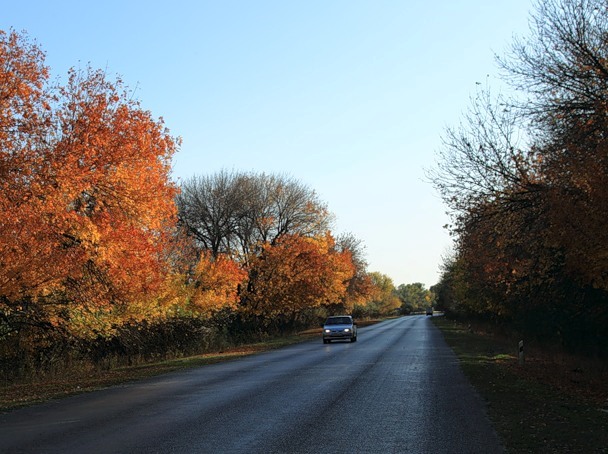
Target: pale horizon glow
x=348 y=97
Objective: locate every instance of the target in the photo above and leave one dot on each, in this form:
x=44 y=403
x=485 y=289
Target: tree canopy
x=85 y=194
x=525 y=179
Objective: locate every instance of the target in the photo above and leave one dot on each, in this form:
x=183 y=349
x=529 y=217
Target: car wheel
x=326 y=341
x=353 y=339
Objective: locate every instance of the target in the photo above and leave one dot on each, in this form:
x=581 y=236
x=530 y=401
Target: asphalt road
x=398 y=389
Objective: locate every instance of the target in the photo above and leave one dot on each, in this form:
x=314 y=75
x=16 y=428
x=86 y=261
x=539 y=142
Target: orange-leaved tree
x=85 y=195
x=296 y=273
x=24 y=265
x=215 y=284
x=111 y=165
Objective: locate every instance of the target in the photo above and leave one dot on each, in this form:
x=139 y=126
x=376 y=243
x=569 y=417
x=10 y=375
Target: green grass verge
x=546 y=405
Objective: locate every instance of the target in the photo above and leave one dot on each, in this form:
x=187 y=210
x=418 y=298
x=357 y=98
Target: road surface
x=398 y=389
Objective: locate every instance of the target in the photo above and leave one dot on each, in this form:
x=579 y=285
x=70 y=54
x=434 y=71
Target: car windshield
x=338 y=321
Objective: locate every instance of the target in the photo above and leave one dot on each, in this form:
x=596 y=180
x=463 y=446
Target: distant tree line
x=526 y=181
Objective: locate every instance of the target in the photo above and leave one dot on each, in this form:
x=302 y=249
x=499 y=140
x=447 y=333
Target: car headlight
x=347 y=330
x=328 y=331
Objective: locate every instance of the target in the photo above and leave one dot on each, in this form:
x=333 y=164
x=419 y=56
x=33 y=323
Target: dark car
x=339 y=327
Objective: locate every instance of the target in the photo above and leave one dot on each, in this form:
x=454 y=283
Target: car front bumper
x=338 y=335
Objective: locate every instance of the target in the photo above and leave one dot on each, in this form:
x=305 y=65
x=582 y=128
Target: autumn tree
x=85 y=195
x=214 y=284
x=563 y=66
x=383 y=299
x=296 y=273
x=360 y=288
x=24 y=116
x=491 y=182
x=529 y=214
x=111 y=164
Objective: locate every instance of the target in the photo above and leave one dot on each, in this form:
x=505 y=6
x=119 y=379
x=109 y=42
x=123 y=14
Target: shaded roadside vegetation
x=526 y=181
x=40 y=388
x=552 y=403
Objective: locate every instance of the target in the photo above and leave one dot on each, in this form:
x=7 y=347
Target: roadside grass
x=550 y=404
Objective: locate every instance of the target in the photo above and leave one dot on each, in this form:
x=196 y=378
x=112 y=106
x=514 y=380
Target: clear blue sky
x=349 y=97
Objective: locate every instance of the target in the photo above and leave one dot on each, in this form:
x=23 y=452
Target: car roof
x=339 y=320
